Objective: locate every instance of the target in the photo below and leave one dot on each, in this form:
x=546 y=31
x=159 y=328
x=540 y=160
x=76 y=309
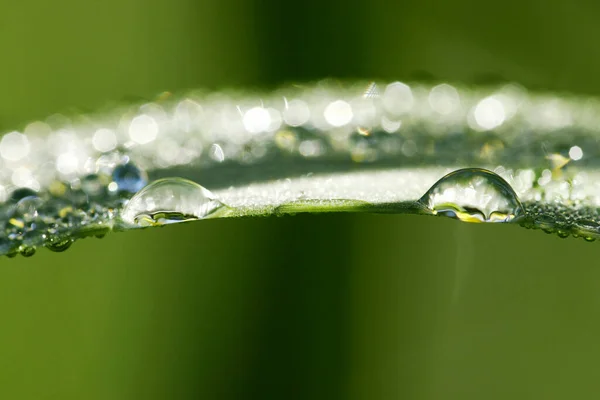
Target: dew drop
x=27 y=208
x=473 y=195
x=129 y=178
x=58 y=244
x=170 y=200
x=26 y=251
x=92 y=185
x=21 y=193
x=587 y=229
x=588 y=225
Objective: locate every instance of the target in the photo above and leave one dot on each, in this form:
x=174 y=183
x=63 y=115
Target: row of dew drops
x=54 y=219
x=98 y=203
x=122 y=198
x=469 y=195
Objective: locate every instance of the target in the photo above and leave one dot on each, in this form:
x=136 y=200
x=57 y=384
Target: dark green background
x=305 y=307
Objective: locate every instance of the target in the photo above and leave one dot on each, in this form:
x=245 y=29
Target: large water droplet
x=168 y=201
x=473 y=195
x=129 y=178
x=20 y=193
x=26 y=209
x=58 y=244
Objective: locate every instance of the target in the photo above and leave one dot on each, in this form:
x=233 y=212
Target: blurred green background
x=305 y=307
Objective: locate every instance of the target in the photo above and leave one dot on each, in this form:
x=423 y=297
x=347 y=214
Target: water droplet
x=26 y=209
x=58 y=244
x=216 y=153
x=26 y=251
x=587 y=229
x=473 y=195
x=170 y=200
x=562 y=234
x=21 y=193
x=92 y=185
x=588 y=225
x=129 y=178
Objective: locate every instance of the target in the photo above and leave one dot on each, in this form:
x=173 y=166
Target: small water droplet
x=589 y=238
x=14 y=236
x=129 y=178
x=562 y=234
x=26 y=251
x=58 y=244
x=93 y=185
x=473 y=195
x=170 y=200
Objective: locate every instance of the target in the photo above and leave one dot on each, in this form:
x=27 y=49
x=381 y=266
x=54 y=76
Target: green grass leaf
x=526 y=158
